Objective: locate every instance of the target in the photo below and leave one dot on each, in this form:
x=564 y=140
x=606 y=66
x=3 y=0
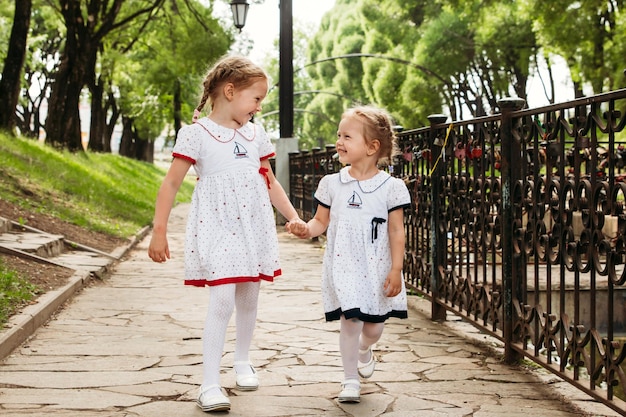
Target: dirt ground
x=47 y=276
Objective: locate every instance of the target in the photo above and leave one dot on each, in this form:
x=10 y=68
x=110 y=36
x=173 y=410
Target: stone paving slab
x=41 y=244
x=131 y=346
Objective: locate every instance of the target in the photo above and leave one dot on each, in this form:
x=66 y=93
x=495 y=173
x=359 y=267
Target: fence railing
x=518 y=224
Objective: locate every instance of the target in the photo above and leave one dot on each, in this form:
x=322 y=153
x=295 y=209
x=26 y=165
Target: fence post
x=511 y=173
x=438 y=242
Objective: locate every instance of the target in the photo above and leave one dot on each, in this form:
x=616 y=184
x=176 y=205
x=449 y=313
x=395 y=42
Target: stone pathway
x=130 y=345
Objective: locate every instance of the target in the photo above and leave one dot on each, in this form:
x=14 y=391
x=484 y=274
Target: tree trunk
x=126 y=143
x=63 y=121
x=10 y=83
x=111 y=108
x=144 y=150
x=177 y=108
x=78 y=63
x=149 y=155
x=98 y=118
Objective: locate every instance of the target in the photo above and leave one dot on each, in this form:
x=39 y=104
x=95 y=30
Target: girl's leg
x=370 y=334
x=246 y=302
x=349 y=346
x=221 y=306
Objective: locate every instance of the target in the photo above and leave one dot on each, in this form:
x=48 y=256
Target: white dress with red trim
x=231 y=229
x=357 y=258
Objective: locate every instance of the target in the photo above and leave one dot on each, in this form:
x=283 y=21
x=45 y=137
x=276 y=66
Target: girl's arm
x=318 y=224
x=393 y=283
x=278 y=197
x=158 y=250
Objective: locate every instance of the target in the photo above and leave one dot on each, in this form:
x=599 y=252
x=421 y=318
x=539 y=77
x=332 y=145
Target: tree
x=400 y=83
x=87 y=22
x=340 y=33
x=13 y=63
x=160 y=79
x=589 y=34
x=421 y=57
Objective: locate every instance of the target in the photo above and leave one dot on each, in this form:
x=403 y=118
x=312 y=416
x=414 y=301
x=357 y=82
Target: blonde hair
x=377 y=125
x=238 y=70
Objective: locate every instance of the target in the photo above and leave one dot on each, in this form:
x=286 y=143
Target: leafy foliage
x=457 y=57
x=415 y=58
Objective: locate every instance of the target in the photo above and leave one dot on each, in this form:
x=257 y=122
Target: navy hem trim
x=355 y=313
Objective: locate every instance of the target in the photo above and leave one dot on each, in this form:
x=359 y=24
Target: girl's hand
x=298 y=228
x=393 y=283
x=159 y=250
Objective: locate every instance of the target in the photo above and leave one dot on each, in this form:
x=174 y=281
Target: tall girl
x=231 y=242
x=362 y=208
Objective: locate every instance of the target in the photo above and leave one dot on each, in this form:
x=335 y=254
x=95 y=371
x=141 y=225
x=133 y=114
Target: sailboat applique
x=240 y=151
x=355 y=201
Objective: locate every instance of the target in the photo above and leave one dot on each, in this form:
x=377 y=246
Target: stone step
x=5 y=225
x=40 y=244
x=37 y=245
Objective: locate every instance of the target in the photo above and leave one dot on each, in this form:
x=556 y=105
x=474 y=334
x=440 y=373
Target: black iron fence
x=518 y=224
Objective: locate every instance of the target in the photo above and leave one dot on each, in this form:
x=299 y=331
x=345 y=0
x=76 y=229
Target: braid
x=238 y=70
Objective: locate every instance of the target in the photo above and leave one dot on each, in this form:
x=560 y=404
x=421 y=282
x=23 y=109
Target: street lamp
x=240 y=12
x=285 y=60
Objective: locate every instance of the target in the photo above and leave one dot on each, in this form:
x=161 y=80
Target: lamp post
x=285 y=61
x=285 y=70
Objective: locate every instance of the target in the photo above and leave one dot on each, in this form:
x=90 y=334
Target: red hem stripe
x=231 y=280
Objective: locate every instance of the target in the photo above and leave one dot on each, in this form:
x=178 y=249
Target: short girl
x=362 y=208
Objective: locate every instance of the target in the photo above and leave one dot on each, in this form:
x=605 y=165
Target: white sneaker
x=215 y=402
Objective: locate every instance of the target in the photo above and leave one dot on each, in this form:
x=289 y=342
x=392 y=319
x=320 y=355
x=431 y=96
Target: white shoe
x=350 y=394
x=249 y=382
x=366 y=370
x=217 y=402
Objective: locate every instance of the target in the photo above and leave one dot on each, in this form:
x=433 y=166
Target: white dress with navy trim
x=231 y=229
x=357 y=258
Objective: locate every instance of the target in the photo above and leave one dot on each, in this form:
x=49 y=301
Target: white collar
x=367 y=186
x=248 y=131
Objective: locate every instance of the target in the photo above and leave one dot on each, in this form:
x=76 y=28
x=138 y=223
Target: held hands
x=298 y=228
x=393 y=283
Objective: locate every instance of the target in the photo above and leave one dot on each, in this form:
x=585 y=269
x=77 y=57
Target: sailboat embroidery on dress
x=355 y=201
x=240 y=151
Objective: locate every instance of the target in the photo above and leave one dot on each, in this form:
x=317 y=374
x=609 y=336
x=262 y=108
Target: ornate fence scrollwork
x=518 y=224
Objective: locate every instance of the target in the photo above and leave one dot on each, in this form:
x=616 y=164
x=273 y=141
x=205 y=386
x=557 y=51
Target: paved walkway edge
x=23 y=325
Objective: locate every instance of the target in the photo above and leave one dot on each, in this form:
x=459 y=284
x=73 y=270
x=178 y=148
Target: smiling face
x=246 y=101
x=352 y=147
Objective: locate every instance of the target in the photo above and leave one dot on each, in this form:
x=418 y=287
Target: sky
x=262 y=24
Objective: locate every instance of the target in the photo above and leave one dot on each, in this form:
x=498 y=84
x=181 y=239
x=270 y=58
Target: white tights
x=223 y=300
x=355 y=335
